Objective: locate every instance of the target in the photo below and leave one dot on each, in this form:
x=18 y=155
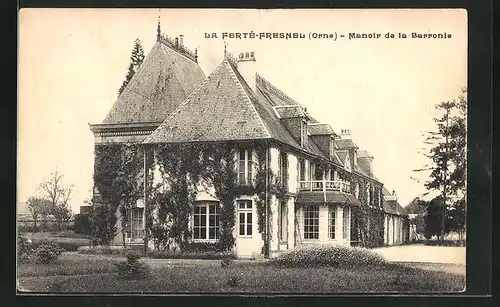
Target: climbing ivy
x=119 y=178
x=186 y=166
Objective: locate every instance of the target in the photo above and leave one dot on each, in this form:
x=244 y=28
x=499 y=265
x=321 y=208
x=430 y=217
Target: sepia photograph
x=241 y=151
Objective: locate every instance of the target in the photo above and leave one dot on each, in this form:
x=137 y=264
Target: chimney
x=246 y=67
x=345 y=134
x=181 y=40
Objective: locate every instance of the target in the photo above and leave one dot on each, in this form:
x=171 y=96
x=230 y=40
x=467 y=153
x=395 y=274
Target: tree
x=135 y=62
x=433 y=217
x=57 y=195
x=448 y=157
x=38 y=207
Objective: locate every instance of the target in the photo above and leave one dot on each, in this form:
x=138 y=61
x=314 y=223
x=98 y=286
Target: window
x=302 y=169
x=331 y=222
x=311 y=222
x=368 y=195
x=245 y=167
x=206 y=221
x=283 y=222
x=245 y=218
x=345 y=223
x=283 y=170
x=135 y=227
x=356 y=190
x=303 y=134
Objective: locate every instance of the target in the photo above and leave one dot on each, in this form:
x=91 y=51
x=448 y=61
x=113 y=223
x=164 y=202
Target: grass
x=71 y=272
x=67 y=264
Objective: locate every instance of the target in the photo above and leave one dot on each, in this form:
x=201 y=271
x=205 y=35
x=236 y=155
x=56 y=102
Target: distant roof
x=393 y=207
x=362 y=153
x=164 y=79
x=345 y=143
x=320 y=129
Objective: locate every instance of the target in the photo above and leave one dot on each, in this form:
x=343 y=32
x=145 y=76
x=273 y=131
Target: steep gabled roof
x=162 y=82
x=218 y=110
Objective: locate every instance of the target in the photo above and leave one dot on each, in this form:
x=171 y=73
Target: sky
x=73 y=61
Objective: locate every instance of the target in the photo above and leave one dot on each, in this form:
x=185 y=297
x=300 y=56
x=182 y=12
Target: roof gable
x=218 y=110
x=162 y=82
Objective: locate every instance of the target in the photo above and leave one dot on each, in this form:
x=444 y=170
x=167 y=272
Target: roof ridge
x=181 y=49
x=183 y=104
x=276 y=90
x=248 y=98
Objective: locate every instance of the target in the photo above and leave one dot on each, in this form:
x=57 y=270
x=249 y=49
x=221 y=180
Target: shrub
x=100 y=250
x=48 y=251
x=24 y=248
x=444 y=243
x=170 y=254
x=328 y=255
x=201 y=247
x=132 y=268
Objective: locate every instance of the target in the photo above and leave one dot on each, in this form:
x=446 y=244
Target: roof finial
x=196 y=55
x=158 y=30
x=225 y=48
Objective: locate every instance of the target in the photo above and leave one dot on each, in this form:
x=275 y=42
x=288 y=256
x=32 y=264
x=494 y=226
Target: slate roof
x=219 y=109
x=345 y=143
x=161 y=84
x=342 y=154
x=332 y=197
x=364 y=154
x=320 y=129
x=391 y=206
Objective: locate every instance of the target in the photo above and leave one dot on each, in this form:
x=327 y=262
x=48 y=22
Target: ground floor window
x=283 y=222
x=311 y=222
x=345 y=223
x=206 y=221
x=135 y=224
x=331 y=221
x=245 y=220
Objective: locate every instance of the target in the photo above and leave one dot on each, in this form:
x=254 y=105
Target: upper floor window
x=356 y=190
x=302 y=169
x=206 y=221
x=368 y=195
x=303 y=134
x=283 y=170
x=245 y=167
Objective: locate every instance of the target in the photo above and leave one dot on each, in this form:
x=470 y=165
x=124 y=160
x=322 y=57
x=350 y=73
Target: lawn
x=74 y=272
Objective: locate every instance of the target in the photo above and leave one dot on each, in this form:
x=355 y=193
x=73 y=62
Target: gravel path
x=423 y=254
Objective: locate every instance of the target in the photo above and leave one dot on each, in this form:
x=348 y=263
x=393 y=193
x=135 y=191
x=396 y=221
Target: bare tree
x=58 y=195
